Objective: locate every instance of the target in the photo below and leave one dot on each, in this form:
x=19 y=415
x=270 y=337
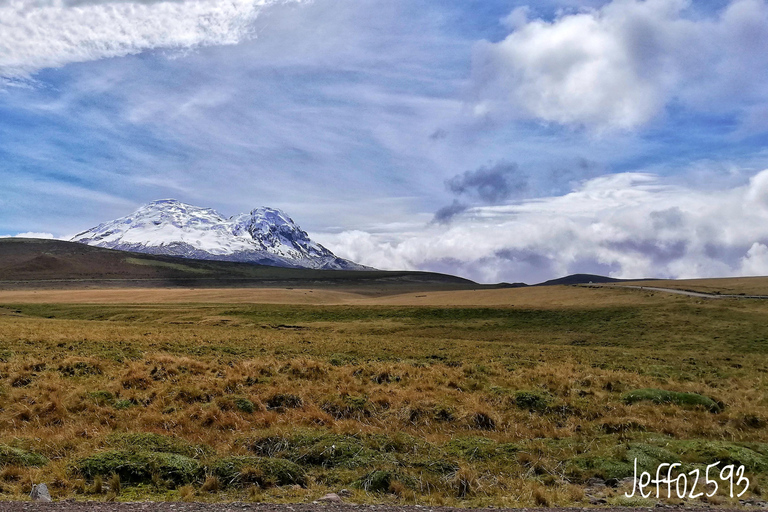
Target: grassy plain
x=722 y=285
x=512 y=397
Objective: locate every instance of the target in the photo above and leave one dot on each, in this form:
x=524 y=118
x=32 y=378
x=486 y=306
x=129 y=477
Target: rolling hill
x=26 y=262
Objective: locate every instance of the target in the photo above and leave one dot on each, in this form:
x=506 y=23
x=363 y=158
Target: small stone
x=40 y=493
x=345 y=493
x=331 y=497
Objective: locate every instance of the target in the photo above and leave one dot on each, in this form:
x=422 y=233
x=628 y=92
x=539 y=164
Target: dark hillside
x=26 y=262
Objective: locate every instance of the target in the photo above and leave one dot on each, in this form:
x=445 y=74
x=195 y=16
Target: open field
x=533 y=296
x=511 y=397
x=540 y=297
x=724 y=285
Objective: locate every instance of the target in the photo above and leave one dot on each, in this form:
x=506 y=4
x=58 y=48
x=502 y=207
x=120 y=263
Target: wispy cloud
x=51 y=33
x=30 y=234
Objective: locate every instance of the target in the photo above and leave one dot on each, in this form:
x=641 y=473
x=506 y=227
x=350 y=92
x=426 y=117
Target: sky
x=499 y=140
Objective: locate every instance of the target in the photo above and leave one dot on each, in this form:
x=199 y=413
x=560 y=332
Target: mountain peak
x=167 y=226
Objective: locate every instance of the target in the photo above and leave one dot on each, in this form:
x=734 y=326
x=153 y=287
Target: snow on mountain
x=266 y=236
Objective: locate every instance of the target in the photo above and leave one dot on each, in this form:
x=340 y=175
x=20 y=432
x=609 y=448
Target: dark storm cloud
x=446 y=213
x=490 y=184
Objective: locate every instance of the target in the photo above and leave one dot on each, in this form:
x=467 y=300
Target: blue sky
x=498 y=140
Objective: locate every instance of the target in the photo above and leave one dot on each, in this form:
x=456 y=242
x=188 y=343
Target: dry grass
x=434 y=405
x=540 y=297
x=724 y=285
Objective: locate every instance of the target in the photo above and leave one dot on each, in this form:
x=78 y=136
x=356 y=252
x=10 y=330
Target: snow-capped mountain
x=266 y=236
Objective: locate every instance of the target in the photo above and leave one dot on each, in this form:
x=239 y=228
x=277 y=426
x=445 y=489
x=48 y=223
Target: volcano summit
x=266 y=236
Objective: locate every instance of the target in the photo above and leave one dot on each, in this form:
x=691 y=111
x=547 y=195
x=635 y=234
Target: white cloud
x=52 y=33
x=627 y=225
x=30 y=234
x=755 y=263
x=617 y=67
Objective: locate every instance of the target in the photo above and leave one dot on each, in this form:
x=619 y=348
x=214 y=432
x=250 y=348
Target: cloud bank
x=627 y=225
x=52 y=33
x=619 y=66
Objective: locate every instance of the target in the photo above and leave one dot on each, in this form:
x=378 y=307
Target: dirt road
x=689 y=293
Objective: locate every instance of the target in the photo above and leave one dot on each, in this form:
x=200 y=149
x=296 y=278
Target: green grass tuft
x=660 y=396
x=136 y=467
x=149 y=442
x=241 y=471
x=19 y=457
x=534 y=401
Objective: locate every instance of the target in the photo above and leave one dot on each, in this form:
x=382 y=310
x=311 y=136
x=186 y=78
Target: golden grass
x=543 y=297
x=72 y=376
x=723 y=285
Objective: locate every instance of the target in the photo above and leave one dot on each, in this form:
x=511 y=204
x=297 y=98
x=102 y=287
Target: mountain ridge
x=265 y=236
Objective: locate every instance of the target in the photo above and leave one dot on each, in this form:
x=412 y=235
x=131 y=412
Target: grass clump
x=317 y=448
x=283 y=401
x=605 y=467
x=376 y=481
x=336 y=451
x=245 y=405
x=79 y=369
x=101 y=398
x=753 y=456
x=18 y=457
x=123 y=404
x=242 y=471
x=474 y=448
x=533 y=401
x=347 y=407
x=137 y=467
x=661 y=396
x=150 y=442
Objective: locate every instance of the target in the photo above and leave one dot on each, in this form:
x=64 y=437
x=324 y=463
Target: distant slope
x=584 y=279
x=26 y=262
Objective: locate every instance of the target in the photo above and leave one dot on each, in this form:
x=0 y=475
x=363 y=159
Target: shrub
x=282 y=401
x=269 y=446
x=534 y=401
x=347 y=406
x=244 y=405
x=583 y=468
x=243 y=471
x=483 y=421
x=479 y=448
x=464 y=482
x=149 y=442
x=79 y=369
x=123 y=404
x=101 y=397
x=19 y=457
x=336 y=450
x=660 y=396
x=753 y=456
x=376 y=481
x=136 y=467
